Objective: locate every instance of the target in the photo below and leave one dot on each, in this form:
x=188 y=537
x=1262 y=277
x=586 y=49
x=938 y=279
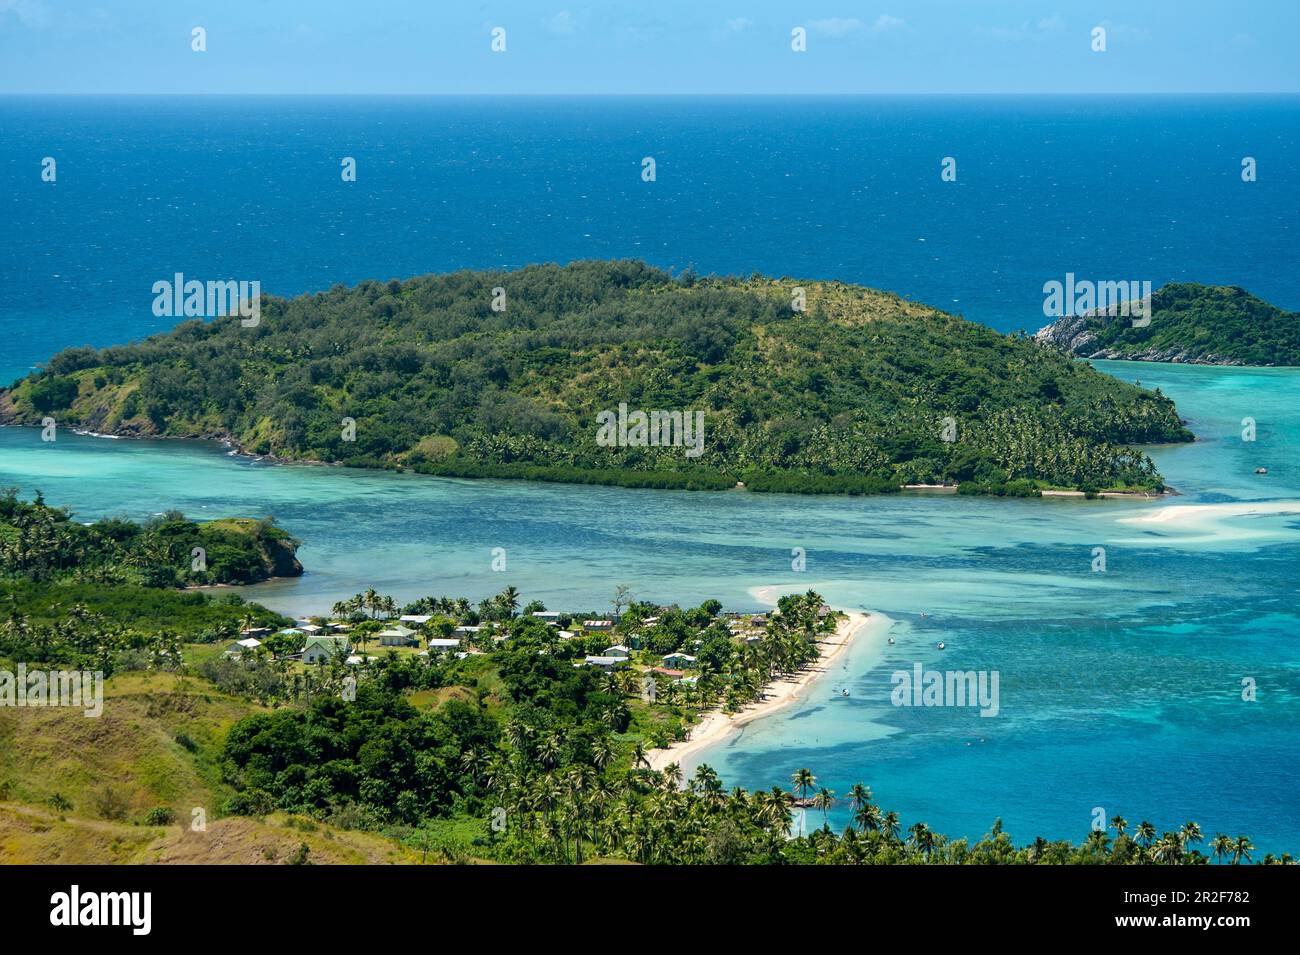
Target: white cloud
x=562 y=22
x=836 y=26
x=1029 y=30
x=846 y=26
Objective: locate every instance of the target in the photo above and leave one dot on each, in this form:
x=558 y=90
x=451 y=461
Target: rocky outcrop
x=1074 y=336
x=1185 y=323
x=281 y=560
x=1070 y=334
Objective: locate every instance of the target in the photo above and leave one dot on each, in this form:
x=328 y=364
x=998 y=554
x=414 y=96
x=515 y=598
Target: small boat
x=844 y=692
x=941 y=646
x=1261 y=470
x=891 y=641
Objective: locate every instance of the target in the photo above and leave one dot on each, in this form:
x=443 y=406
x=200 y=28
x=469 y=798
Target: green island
x=800 y=386
x=442 y=731
x=1189 y=323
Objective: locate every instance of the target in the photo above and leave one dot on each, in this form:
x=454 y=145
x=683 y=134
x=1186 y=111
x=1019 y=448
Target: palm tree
x=705 y=779
x=1146 y=833
x=859 y=796
x=639 y=757
x=1222 y=845
x=890 y=826
x=508 y=600
x=803 y=780
x=922 y=839
x=1190 y=834
x=775 y=810
x=1241 y=850
x=602 y=752
x=868 y=818
x=1169 y=850
x=823 y=801
x=1119 y=824
x=549 y=749
x=1097 y=841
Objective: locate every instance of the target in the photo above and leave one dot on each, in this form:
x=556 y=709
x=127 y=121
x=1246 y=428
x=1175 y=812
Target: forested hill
x=857 y=391
x=41 y=544
x=1195 y=324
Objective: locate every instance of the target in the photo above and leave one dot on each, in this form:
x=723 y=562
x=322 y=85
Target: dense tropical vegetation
x=104 y=593
x=41 y=543
x=544 y=762
x=1200 y=324
x=852 y=391
x=515 y=751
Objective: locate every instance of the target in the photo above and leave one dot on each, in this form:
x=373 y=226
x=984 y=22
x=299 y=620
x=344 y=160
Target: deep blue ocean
x=1120 y=690
x=846 y=188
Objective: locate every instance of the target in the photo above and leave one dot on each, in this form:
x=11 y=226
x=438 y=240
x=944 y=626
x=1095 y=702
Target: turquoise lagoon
x=1119 y=690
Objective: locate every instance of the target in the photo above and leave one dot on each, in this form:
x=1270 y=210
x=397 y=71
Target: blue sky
x=652 y=46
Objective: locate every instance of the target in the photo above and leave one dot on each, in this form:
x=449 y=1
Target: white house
x=397 y=636
x=618 y=650
x=441 y=645
x=606 y=663
x=321 y=649
x=310 y=629
x=240 y=647
x=680 y=659
x=416 y=618
x=467 y=631
x=549 y=616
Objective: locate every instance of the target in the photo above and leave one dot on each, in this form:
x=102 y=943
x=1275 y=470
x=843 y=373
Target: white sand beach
x=1240 y=523
x=1202 y=515
x=716 y=725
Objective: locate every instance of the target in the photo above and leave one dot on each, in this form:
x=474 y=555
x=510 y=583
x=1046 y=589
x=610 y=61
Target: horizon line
x=681 y=95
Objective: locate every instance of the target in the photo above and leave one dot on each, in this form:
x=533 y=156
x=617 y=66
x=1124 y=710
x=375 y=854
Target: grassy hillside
x=155 y=745
x=1197 y=324
x=858 y=391
x=76 y=790
x=30 y=836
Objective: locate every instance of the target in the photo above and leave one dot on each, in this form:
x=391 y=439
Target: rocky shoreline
x=1073 y=336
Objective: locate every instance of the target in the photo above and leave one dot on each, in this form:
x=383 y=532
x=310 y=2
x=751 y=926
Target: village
x=632 y=641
